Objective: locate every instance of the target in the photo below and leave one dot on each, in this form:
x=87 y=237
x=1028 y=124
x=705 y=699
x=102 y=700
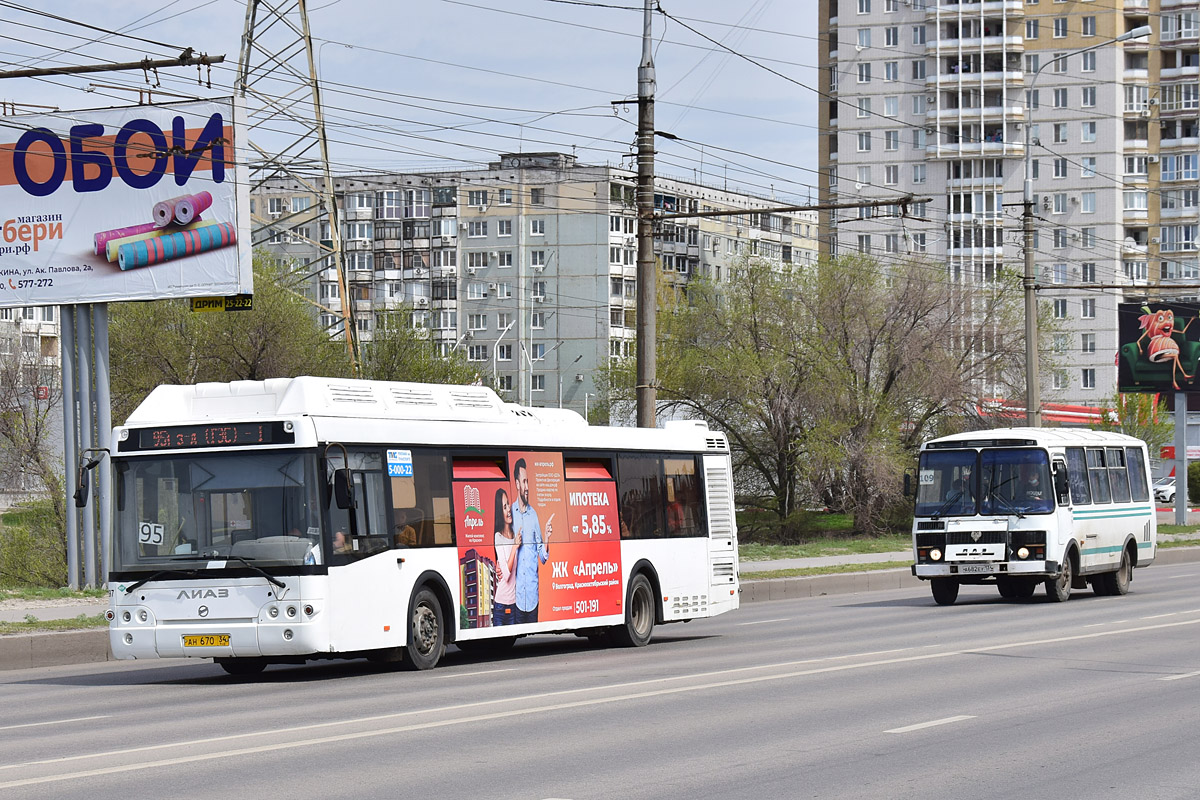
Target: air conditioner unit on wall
x=421 y=302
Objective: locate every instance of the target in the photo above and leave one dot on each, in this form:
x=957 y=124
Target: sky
x=450 y=83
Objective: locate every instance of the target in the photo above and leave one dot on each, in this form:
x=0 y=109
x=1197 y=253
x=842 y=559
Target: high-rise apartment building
x=937 y=100
x=527 y=267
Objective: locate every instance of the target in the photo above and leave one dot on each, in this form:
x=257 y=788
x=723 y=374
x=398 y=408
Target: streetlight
x=1033 y=414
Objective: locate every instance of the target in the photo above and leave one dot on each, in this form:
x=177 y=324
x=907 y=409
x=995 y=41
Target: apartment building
x=938 y=99
x=527 y=267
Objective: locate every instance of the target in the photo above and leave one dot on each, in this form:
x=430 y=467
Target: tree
x=1138 y=415
x=825 y=377
x=163 y=342
x=400 y=352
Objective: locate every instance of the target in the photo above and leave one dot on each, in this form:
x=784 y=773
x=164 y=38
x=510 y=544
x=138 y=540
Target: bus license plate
x=976 y=569
x=206 y=640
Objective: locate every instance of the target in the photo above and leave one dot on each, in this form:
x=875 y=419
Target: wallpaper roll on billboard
x=103 y=237
x=188 y=208
x=113 y=246
x=146 y=252
x=164 y=212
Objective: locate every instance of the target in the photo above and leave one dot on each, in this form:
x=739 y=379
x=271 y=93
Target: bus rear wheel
x=1059 y=589
x=945 y=591
x=426 y=631
x=242 y=666
x=639 y=615
x=1117 y=581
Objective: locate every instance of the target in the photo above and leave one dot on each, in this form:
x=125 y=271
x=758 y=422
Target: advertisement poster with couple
x=537 y=547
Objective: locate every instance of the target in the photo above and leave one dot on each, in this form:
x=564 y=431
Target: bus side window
x=1077 y=476
x=1098 y=472
x=640 y=489
x=685 y=511
x=1117 y=474
x=1140 y=489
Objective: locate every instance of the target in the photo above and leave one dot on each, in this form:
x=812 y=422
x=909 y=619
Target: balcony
x=976 y=44
x=1009 y=8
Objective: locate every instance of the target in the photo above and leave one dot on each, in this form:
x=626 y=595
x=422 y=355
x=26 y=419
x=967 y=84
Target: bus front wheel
x=1059 y=589
x=945 y=591
x=639 y=615
x=426 y=632
x=242 y=666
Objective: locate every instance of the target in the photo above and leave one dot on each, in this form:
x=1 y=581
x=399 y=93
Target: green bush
x=1193 y=482
x=32 y=547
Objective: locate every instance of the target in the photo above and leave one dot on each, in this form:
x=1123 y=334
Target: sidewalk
x=18 y=610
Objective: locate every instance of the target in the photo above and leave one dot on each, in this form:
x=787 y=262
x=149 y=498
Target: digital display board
x=241 y=434
x=1158 y=348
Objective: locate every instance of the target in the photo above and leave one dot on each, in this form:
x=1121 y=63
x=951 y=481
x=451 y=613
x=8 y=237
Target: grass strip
x=801 y=572
x=41 y=593
x=34 y=625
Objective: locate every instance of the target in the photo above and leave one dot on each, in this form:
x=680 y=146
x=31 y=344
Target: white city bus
x=1021 y=507
x=294 y=519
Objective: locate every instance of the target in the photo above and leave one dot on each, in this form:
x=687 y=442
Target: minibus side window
x=1098 y=472
x=1117 y=475
x=1137 y=474
x=1077 y=476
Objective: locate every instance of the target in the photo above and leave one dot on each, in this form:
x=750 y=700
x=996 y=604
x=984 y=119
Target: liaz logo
x=201 y=594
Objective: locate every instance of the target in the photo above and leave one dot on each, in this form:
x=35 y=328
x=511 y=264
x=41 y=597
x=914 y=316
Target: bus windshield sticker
x=399 y=463
x=926 y=477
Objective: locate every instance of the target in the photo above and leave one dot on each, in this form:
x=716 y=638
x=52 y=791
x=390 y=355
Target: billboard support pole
x=66 y=318
x=83 y=389
x=103 y=434
x=1181 y=467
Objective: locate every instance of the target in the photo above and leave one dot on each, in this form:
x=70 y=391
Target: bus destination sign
x=244 y=434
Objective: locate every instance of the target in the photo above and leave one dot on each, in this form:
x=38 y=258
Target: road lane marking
x=475 y=674
x=713 y=679
x=52 y=722
x=1180 y=677
x=1160 y=616
x=765 y=621
x=920 y=726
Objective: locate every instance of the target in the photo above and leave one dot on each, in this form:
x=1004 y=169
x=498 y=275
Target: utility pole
x=647 y=273
x=1033 y=403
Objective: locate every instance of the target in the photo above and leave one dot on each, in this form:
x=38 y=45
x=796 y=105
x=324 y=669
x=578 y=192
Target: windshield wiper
x=162 y=573
x=951 y=500
x=270 y=578
x=1003 y=501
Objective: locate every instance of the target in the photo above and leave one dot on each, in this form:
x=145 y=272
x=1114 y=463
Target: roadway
x=878 y=695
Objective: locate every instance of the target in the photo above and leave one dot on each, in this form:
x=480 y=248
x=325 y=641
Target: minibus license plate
x=206 y=640
x=975 y=568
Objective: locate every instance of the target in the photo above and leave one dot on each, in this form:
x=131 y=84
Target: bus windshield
x=261 y=508
x=958 y=483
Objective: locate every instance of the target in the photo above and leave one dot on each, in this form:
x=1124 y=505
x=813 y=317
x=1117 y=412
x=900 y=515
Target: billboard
x=136 y=203
x=536 y=547
x=1158 y=347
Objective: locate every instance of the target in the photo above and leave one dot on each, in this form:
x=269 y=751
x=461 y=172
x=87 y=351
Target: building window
x=891 y=174
x=918 y=34
x=504 y=227
x=1087 y=167
x=1031 y=28
x=477 y=352
x=864 y=243
x=1060 y=27
x=1060 y=237
x=537 y=320
x=1088 y=97
x=476 y=260
x=864 y=37
x=477 y=322
x=918 y=70
x=504 y=352
x=1060 y=98
x=537 y=383
x=891 y=70
x=918 y=104
x=864 y=142
x=1088 y=272
x=1087 y=202
x=891 y=37
x=505 y=258
x=1061 y=381
x=864 y=73
x=503 y=321
x=504 y=197
x=891 y=106
x=1032 y=60
x=1060 y=133
x=918 y=241
x=864 y=6
x=919 y=173
x=1089 y=62
x=1060 y=168
x=506 y=383
x=537 y=227
x=891 y=140
x=1088 y=131
x=918 y=138
x=477 y=197
x=1089 y=26
x=537 y=197
x=1060 y=63
x=1088 y=378
x=476 y=290
x=864 y=107
x=1088 y=342
x=537 y=258
x=1088 y=238
x=477 y=228
x=1060 y=309
x=1087 y=308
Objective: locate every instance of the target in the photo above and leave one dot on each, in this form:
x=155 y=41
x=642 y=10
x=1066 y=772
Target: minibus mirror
x=1061 y=489
x=343 y=495
x=81 y=489
x=908 y=492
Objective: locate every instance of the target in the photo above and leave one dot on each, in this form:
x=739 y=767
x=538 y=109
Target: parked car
x=1164 y=490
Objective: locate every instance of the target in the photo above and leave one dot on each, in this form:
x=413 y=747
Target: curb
x=84 y=647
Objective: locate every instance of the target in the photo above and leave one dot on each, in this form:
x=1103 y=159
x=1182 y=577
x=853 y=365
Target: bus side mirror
x=1061 y=489
x=343 y=495
x=81 y=488
x=908 y=492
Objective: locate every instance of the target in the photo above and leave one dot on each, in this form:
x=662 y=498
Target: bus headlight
x=1023 y=553
x=935 y=554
